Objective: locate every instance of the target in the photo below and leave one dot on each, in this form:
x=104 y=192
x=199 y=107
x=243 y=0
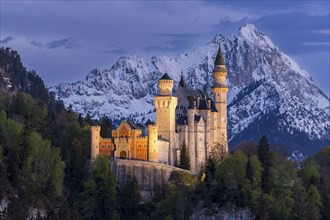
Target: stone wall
x=147 y=173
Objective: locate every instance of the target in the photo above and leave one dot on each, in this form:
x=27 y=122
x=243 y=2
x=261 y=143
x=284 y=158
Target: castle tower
x=220 y=90
x=191 y=137
x=95 y=141
x=153 y=143
x=165 y=105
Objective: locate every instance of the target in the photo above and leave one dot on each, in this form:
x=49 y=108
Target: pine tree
x=184 y=157
x=249 y=170
x=265 y=157
x=210 y=169
x=129 y=199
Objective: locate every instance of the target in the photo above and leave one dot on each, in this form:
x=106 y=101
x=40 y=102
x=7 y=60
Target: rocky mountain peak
x=269 y=94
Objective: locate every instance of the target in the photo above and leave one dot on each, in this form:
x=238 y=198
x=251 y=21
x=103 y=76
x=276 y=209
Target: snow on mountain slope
x=268 y=92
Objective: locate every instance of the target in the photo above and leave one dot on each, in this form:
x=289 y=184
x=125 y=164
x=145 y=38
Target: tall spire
x=219 y=58
x=182 y=82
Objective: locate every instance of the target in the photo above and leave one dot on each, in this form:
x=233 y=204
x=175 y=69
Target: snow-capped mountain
x=269 y=94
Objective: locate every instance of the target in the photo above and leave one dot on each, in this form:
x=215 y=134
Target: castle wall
x=183 y=135
x=95 y=141
x=147 y=173
x=165 y=120
x=213 y=129
x=191 y=140
x=200 y=144
x=106 y=147
x=163 y=151
x=206 y=115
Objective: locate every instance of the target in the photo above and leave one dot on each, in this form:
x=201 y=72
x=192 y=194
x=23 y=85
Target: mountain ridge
x=263 y=82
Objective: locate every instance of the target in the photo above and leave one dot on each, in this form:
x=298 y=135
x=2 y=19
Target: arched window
x=123 y=155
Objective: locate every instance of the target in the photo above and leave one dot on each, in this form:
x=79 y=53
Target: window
x=139 y=154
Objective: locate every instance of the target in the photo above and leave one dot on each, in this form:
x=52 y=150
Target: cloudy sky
x=64 y=40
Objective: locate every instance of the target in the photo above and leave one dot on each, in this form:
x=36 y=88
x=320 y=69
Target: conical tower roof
x=166 y=76
x=219 y=60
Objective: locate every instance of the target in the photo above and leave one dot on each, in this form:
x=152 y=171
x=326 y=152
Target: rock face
x=269 y=94
x=223 y=213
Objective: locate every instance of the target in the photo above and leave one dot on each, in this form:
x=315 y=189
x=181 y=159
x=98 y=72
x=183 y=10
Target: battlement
x=165 y=85
x=95 y=127
x=142 y=138
x=105 y=139
x=170 y=81
x=152 y=126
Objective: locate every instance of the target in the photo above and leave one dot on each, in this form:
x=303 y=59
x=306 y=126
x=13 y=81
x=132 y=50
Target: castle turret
x=153 y=143
x=165 y=85
x=191 y=138
x=165 y=105
x=95 y=141
x=220 y=90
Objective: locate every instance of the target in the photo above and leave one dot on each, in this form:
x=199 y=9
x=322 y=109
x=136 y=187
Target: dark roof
x=189 y=92
x=219 y=58
x=191 y=104
x=182 y=120
x=165 y=76
x=203 y=105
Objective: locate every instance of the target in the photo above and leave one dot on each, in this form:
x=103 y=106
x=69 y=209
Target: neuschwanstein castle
x=188 y=116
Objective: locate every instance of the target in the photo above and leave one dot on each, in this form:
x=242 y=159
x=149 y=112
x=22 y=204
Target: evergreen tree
x=129 y=199
x=249 y=170
x=314 y=203
x=210 y=169
x=184 y=157
x=105 y=127
x=265 y=158
x=98 y=199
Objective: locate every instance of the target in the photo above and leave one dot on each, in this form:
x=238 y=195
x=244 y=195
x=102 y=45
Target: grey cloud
x=6 y=40
x=36 y=43
x=176 y=42
x=67 y=43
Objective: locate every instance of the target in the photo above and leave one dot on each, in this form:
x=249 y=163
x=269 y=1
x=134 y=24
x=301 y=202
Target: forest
x=45 y=172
